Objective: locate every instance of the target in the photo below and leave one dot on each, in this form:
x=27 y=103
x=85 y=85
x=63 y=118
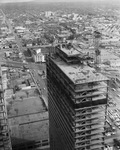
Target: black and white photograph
x=59 y=74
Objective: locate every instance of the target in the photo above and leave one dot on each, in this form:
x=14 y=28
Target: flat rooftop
x=79 y=74
x=69 y=52
x=27 y=115
x=74 y=50
x=25 y=106
x=21 y=94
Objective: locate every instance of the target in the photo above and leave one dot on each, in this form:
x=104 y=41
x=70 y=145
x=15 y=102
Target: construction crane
x=96 y=39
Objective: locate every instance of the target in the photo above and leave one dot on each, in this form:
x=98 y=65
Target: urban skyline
x=60 y=75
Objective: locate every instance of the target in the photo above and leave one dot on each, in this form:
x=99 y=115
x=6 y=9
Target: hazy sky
x=5 y=1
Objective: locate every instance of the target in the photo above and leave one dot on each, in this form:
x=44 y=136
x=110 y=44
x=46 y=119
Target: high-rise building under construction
x=77 y=97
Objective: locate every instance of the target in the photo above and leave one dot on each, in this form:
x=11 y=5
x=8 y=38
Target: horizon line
x=58 y=1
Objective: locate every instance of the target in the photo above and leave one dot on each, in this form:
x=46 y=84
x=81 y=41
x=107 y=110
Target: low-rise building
x=38 y=56
x=27 y=115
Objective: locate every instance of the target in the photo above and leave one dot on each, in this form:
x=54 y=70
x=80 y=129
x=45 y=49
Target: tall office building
x=5 y=140
x=77 y=97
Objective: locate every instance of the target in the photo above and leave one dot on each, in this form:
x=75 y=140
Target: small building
x=8 y=53
x=114 y=63
x=29 y=44
x=38 y=56
x=48 y=13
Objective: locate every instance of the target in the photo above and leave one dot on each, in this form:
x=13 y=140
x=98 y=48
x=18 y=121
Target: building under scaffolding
x=77 y=102
x=5 y=141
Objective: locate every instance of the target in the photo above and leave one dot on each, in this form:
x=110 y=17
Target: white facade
x=115 y=63
x=38 y=51
x=19 y=28
x=43 y=59
x=39 y=57
x=48 y=13
x=29 y=45
x=75 y=16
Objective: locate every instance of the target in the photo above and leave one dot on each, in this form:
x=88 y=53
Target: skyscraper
x=77 y=97
x=5 y=141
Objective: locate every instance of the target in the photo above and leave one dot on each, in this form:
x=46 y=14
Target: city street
x=40 y=82
x=33 y=68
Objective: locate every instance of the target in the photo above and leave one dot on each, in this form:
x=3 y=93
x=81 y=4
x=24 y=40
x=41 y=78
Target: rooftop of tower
x=79 y=74
x=77 y=71
x=70 y=50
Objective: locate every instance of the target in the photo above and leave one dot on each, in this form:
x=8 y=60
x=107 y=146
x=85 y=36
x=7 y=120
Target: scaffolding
x=77 y=110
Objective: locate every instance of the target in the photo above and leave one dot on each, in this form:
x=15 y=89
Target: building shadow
x=23 y=144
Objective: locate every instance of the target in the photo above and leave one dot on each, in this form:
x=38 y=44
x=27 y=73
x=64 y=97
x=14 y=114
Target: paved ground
x=39 y=80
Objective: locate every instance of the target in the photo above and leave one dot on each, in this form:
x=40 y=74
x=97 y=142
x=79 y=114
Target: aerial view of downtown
x=59 y=74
